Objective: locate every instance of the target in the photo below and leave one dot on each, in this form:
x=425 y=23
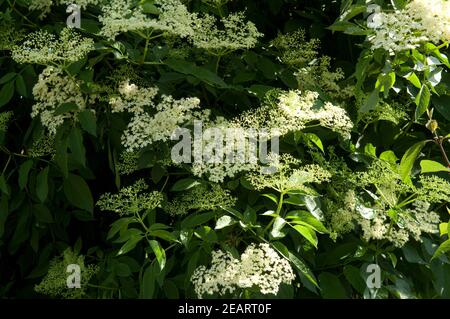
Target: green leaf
x=42 y=213
x=6 y=93
x=443 y=248
x=371 y=102
x=307 y=219
x=331 y=287
x=163 y=234
x=277 y=227
x=42 y=184
x=118 y=225
x=197 y=219
x=8 y=77
x=200 y=73
x=184 y=184
x=4 y=213
x=148 y=282
x=353 y=275
x=443 y=228
x=130 y=244
x=441 y=103
x=308 y=233
x=24 y=170
x=432 y=167
x=21 y=87
x=408 y=159
x=157 y=173
x=159 y=253
x=78 y=192
x=422 y=101
x=412 y=77
x=76 y=146
x=148 y=7
x=314 y=139
x=224 y=221
x=297 y=262
x=272 y=197
x=88 y=121
x=259 y=90
x=3 y=185
x=65 y=108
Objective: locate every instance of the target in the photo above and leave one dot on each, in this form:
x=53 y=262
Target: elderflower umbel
x=131 y=200
x=236 y=34
x=54 y=283
x=145 y=129
x=42 y=47
x=52 y=90
x=200 y=198
x=421 y=21
x=120 y=16
x=294 y=110
x=259 y=267
x=289 y=175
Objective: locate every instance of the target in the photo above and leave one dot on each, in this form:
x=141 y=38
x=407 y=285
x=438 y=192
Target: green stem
x=22 y=15
x=147 y=41
x=217 y=63
x=279 y=207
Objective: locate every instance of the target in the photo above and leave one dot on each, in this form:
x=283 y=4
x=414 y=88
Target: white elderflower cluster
x=42 y=47
x=132 y=98
x=306 y=107
x=294 y=110
x=259 y=267
x=237 y=155
x=51 y=91
x=200 y=198
x=5 y=118
x=375 y=224
x=151 y=121
x=120 y=16
x=145 y=129
x=434 y=15
x=289 y=175
x=421 y=21
x=236 y=34
x=131 y=200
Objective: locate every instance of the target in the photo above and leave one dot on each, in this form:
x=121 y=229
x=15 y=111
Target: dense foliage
x=356 y=92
